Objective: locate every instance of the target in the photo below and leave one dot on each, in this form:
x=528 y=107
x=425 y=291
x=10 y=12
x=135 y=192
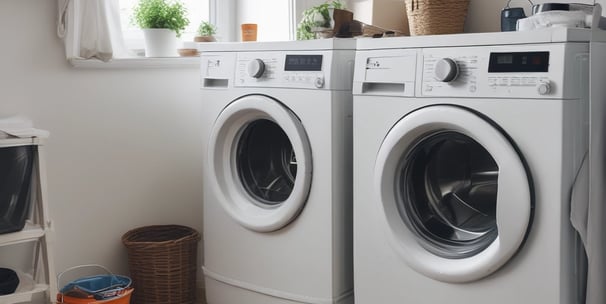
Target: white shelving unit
x=38 y=229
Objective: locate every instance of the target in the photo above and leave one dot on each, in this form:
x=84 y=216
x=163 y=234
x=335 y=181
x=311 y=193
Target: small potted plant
x=162 y=21
x=206 y=32
x=316 y=21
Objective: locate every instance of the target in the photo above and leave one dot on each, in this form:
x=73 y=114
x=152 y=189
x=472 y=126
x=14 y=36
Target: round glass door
x=260 y=158
x=266 y=162
x=454 y=192
x=447 y=186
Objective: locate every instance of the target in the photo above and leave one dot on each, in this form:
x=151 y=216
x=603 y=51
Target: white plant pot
x=160 y=43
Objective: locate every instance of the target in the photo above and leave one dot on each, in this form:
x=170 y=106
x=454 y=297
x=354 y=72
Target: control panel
x=282 y=69
x=529 y=71
x=442 y=73
x=291 y=69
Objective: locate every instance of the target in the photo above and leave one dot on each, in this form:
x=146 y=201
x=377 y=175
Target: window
x=198 y=10
x=229 y=15
x=77 y=18
x=275 y=18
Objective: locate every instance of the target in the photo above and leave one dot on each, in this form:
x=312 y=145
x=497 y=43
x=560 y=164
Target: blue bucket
x=101 y=287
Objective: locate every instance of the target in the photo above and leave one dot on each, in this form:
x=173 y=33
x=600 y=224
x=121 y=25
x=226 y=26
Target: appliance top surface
x=301 y=45
x=547 y=35
x=18 y=141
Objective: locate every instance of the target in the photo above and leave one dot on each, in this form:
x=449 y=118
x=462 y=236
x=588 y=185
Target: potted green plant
x=162 y=21
x=316 y=21
x=206 y=32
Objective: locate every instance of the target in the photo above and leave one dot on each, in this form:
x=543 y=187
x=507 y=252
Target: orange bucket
x=122 y=298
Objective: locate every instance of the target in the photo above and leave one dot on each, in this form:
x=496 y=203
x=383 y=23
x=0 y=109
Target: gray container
x=16 y=168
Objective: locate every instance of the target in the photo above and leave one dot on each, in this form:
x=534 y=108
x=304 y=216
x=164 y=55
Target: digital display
x=303 y=63
x=505 y=59
x=518 y=62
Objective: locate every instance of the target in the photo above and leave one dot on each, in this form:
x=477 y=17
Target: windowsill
x=138 y=63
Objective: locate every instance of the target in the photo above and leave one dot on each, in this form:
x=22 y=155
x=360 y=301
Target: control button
x=472 y=88
x=319 y=82
x=256 y=68
x=531 y=81
x=544 y=88
x=445 y=70
x=515 y=81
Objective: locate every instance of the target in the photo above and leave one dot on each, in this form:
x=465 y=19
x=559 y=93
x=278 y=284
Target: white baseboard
x=200 y=295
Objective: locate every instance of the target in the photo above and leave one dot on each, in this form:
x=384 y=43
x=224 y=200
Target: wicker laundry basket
x=163 y=263
x=435 y=17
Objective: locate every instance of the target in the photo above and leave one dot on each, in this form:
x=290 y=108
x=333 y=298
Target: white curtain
x=91 y=29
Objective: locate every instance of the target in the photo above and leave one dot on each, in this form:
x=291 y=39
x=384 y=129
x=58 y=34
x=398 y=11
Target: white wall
x=124 y=149
x=387 y=14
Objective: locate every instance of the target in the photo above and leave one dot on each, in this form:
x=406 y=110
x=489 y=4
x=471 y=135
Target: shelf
x=33 y=285
x=11 y=142
x=138 y=62
x=28 y=234
x=27 y=288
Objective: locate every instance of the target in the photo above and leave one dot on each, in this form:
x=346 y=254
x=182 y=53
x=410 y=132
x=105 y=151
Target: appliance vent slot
x=381 y=87
x=215 y=82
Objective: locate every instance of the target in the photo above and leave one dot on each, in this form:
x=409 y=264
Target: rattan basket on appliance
x=162 y=261
x=435 y=17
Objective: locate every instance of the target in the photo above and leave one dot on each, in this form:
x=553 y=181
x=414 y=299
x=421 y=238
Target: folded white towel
x=20 y=127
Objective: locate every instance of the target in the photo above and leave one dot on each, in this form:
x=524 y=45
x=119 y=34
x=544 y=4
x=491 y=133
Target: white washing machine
x=277 y=174
x=466 y=152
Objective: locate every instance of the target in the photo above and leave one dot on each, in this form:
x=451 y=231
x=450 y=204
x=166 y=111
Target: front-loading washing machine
x=277 y=171
x=467 y=151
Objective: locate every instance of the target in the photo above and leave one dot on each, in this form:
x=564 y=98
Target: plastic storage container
x=107 y=288
x=8 y=281
x=16 y=167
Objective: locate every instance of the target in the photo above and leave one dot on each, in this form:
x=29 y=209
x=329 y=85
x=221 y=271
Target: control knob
x=544 y=88
x=319 y=82
x=445 y=70
x=256 y=68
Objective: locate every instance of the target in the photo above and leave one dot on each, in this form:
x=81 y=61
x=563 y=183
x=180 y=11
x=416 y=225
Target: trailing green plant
x=206 y=29
x=169 y=14
x=316 y=17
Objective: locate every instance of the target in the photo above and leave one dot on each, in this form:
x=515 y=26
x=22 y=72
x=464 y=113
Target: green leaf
x=309 y=18
x=169 y=14
x=207 y=29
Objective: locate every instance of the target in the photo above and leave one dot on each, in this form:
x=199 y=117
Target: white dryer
x=277 y=171
x=466 y=151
